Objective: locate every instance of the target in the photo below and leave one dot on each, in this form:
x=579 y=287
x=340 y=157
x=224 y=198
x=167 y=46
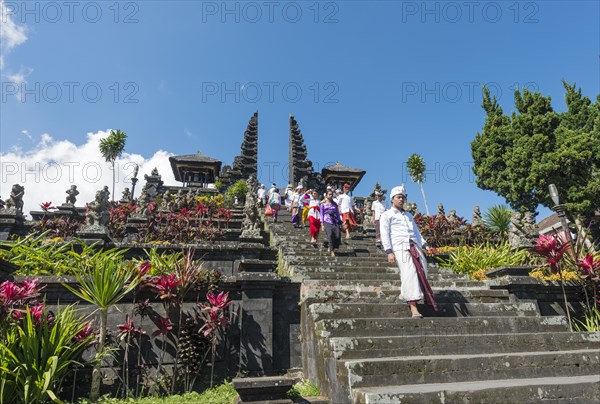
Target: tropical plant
x=34 y=255
x=416 y=170
x=590 y=322
x=497 y=218
x=471 y=259
x=215 y=319
x=552 y=248
x=111 y=148
x=38 y=351
x=103 y=283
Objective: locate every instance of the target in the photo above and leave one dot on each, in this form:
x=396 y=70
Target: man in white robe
x=403 y=243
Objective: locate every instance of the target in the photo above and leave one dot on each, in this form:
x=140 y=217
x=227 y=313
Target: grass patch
x=305 y=388
x=222 y=394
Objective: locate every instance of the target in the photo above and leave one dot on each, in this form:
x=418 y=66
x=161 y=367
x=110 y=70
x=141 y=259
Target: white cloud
x=11 y=34
x=49 y=168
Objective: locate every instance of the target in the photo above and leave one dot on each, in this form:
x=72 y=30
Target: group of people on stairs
x=396 y=231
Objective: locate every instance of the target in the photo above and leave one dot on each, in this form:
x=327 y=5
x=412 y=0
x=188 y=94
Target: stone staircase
x=360 y=345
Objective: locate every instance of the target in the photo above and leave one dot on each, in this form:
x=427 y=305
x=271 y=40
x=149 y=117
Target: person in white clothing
x=404 y=245
x=262 y=195
x=346 y=205
x=378 y=207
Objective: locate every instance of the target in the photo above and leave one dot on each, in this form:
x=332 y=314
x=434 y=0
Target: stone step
x=303 y=269
x=440 y=280
x=470 y=367
x=563 y=389
x=379 y=327
x=320 y=311
x=381 y=347
x=391 y=294
x=328 y=276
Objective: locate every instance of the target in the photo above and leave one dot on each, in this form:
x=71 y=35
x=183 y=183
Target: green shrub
x=239 y=190
x=37 y=354
x=471 y=259
x=36 y=256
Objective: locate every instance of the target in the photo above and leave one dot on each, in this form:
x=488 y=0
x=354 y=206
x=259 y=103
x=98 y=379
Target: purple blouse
x=330 y=212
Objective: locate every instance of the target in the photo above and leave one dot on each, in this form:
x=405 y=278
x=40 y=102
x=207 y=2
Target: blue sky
x=370 y=83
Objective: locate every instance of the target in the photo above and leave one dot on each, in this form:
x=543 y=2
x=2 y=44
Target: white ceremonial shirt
x=397 y=229
x=378 y=208
x=345 y=203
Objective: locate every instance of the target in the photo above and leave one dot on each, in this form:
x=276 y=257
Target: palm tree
x=104 y=283
x=498 y=218
x=416 y=170
x=111 y=149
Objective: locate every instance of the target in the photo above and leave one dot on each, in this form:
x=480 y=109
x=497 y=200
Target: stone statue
x=154 y=172
x=251 y=221
x=15 y=201
x=367 y=214
x=98 y=210
x=142 y=204
x=71 y=195
x=126 y=195
x=166 y=203
x=441 y=211
x=477 y=221
x=2 y=204
x=521 y=231
x=452 y=218
x=411 y=207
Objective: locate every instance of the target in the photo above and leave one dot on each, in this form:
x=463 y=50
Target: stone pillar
x=256 y=325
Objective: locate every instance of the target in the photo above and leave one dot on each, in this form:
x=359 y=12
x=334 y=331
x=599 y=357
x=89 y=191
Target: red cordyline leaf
x=85 y=332
x=587 y=266
x=10 y=293
x=128 y=328
x=220 y=301
x=164 y=326
x=552 y=248
x=166 y=286
x=144 y=268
